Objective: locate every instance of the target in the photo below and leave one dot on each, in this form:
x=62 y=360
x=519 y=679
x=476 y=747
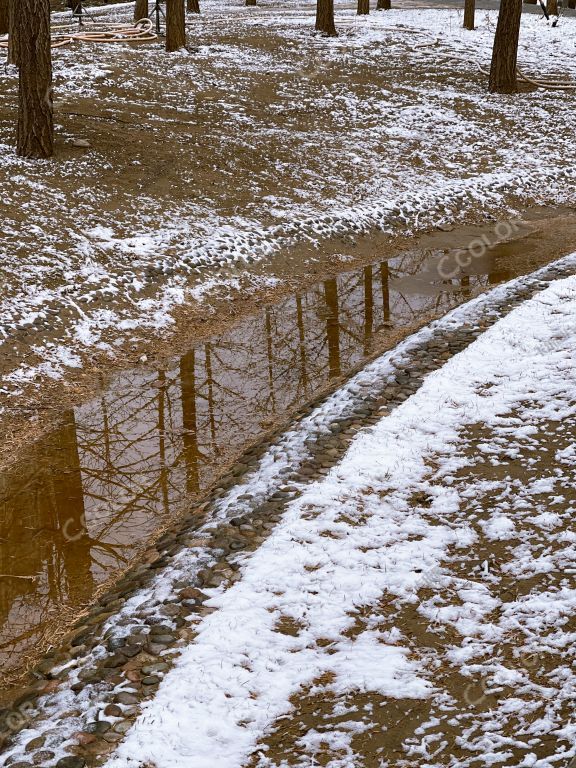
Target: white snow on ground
x=357 y=537
x=405 y=127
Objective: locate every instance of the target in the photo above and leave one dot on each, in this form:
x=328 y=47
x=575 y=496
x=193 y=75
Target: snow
x=354 y=539
x=418 y=143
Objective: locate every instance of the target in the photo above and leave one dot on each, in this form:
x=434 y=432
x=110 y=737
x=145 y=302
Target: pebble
x=112 y=710
x=150 y=680
x=80 y=143
x=152 y=669
x=71 y=761
x=126 y=698
x=35 y=744
x=43 y=757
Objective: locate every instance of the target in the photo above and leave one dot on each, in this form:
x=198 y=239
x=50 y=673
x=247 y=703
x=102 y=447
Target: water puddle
x=87 y=497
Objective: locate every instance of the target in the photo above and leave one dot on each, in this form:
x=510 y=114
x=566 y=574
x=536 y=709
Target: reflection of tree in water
x=124 y=462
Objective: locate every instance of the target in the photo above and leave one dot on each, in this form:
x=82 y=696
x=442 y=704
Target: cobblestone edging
x=85 y=696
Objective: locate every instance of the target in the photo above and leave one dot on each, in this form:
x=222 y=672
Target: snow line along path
x=354 y=537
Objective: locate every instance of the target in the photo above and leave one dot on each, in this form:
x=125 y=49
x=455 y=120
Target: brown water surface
x=85 y=500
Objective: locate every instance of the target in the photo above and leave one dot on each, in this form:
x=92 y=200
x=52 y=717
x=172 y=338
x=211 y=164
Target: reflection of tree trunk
x=68 y=496
x=189 y=421
x=332 y=327
x=162 y=441
x=302 y=340
x=210 y=382
x=270 y=354
x=385 y=291
x=368 y=308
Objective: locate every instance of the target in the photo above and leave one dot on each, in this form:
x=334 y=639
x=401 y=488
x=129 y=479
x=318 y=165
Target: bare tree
x=193 y=6
x=35 y=131
x=325 y=18
x=503 y=77
x=383 y=5
x=13 y=9
x=4 y=17
x=363 y=7
x=175 y=25
x=469 y=12
x=140 y=10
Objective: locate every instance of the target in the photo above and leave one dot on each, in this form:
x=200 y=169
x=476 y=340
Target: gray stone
x=150 y=680
x=152 y=669
x=126 y=698
x=71 y=761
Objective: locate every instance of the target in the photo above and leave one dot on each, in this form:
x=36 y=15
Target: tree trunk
x=13 y=9
x=363 y=7
x=552 y=7
x=469 y=10
x=193 y=6
x=505 y=51
x=35 y=131
x=175 y=25
x=325 y=18
x=530 y=2
x=250 y=2
x=4 y=17
x=383 y=5
x=571 y=3
x=140 y=10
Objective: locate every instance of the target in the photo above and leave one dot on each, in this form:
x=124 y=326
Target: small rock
x=150 y=680
x=80 y=143
x=83 y=738
x=71 y=761
x=35 y=744
x=152 y=669
x=112 y=710
x=126 y=698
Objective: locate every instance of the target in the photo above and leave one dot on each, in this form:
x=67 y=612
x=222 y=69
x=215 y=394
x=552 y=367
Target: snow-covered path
x=434 y=564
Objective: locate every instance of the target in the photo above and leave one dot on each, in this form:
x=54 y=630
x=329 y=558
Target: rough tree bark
x=383 y=5
x=363 y=7
x=250 y=2
x=505 y=51
x=4 y=17
x=193 y=6
x=469 y=12
x=571 y=3
x=552 y=7
x=13 y=9
x=140 y=10
x=175 y=25
x=325 y=18
x=35 y=130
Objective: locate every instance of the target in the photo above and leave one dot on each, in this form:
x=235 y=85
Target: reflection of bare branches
x=125 y=460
